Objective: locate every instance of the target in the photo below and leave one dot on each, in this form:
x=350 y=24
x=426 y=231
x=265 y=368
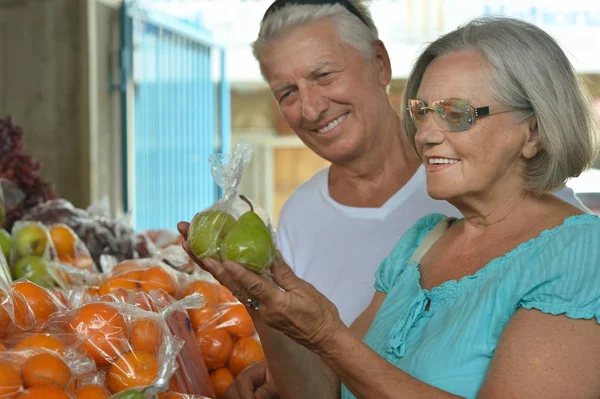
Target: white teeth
x=442 y=160
x=332 y=124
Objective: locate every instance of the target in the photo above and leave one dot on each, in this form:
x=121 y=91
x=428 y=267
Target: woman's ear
x=533 y=144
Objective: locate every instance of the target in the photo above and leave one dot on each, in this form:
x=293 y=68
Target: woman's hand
x=291 y=305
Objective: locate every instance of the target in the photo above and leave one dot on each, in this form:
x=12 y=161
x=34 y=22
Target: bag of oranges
x=224 y=332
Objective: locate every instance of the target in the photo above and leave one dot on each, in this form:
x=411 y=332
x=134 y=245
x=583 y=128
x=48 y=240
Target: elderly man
x=329 y=72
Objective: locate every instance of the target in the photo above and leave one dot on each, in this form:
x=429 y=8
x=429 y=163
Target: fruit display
x=89 y=308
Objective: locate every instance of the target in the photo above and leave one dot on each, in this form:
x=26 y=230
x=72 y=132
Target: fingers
x=183 y=228
x=245 y=383
x=284 y=275
x=256 y=286
x=267 y=391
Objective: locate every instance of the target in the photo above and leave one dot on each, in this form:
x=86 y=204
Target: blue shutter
x=181 y=114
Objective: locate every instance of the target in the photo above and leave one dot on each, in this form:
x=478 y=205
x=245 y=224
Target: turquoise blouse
x=451 y=345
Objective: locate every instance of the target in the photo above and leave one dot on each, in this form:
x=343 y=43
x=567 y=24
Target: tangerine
x=45 y=341
x=216 y=346
x=43 y=392
x=203 y=317
x=210 y=291
x=37 y=299
x=134 y=369
x=112 y=284
x=156 y=278
x=236 y=320
x=221 y=379
x=245 y=352
x=45 y=369
x=225 y=296
x=5 y=319
x=10 y=381
x=104 y=331
x=146 y=335
x=91 y=392
x=64 y=240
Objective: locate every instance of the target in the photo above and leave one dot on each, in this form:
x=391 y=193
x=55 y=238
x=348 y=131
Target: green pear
x=5 y=243
x=249 y=242
x=34 y=269
x=206 y=232
x=31 y=239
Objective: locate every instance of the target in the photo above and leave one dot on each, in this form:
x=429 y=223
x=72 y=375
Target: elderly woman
x=503 y=302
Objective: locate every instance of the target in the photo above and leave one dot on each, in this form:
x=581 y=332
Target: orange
x=134 y=369
x=64 y=240
x=2 y=347
x=5 y=319
x=91 y=392
x=237 y=321
x=146 y=335
x=112 y=284
x=45 y=341
x=128 y=269
x=39 y=300
x=210 y=291
x=60 y=296
x=245 y=352
x=156 y=278
x=80 y=261
x=104 y=331
x=203 y=317
x=43 y=392
x=216 y=346
x=10 y=381
x=221 y=379
x=225 y=296
x=45 y=369
x=24 y=317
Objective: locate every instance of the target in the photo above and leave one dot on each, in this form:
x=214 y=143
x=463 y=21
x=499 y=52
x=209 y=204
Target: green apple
x=5 y=243
x=31 y=239
x=34 y=269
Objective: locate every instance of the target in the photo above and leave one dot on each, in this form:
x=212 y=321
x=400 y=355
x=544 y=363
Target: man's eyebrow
x=320 y=66
x=281 y=88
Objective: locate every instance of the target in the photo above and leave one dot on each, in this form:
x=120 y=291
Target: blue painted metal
x=181 y=114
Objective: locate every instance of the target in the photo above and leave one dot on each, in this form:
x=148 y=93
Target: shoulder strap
x=430 y=239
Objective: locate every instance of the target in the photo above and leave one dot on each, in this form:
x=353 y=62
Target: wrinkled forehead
x=464 y=74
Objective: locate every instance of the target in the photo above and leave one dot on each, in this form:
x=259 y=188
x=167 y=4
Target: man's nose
x=313 y=103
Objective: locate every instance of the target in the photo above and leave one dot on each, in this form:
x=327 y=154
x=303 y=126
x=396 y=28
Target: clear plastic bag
x=106 y=238
x=233 y=228
x=223 y=330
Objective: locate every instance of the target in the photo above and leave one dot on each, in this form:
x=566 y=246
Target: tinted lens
x=417 y=111
x=458 y=114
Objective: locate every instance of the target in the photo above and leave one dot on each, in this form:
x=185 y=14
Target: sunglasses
x=458 y=114
x=278 y=4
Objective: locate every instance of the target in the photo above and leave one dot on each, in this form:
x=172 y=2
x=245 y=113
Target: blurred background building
x=126 y=99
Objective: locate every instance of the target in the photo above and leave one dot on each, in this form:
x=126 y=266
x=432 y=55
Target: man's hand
x=254 y=382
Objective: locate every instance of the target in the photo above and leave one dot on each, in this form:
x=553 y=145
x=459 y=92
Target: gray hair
x=532 y=73
x=350 y=28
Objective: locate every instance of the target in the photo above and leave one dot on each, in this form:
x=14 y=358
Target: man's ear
x=533 y=144
x=382 y=60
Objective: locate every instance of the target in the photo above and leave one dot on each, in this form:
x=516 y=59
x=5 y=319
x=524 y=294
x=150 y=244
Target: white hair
x=350 y=28
x=530 y=72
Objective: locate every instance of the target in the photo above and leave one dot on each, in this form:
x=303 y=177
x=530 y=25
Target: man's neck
x=377 y=174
